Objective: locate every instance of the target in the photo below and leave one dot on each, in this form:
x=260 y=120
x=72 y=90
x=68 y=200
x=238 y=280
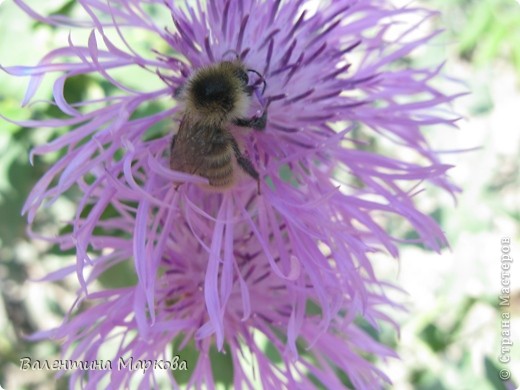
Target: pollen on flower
x=342 y=151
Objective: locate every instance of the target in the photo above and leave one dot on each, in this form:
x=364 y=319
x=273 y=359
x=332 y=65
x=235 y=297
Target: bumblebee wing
x=186 y=154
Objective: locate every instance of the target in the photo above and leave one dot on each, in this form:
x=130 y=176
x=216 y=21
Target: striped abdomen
x=217 y=165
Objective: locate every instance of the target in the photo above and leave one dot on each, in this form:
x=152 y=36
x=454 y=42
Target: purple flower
x=258 y=304
x=217 y=268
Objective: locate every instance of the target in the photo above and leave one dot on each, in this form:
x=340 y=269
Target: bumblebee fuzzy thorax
x=216 y=98
x=218 y=93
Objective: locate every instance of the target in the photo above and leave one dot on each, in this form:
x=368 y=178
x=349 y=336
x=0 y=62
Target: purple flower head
x=259 y=304
x=216 y=267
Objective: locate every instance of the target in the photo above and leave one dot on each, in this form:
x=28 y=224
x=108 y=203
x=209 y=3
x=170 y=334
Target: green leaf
x=436 y=338
x=480 y=20
x=272 y=352
x=65 y=9
x=189 y=353
x=422 y=379
x=491 y=45
x=10 y=108
x=222 y=366
x=492 y=374
x=119 y=276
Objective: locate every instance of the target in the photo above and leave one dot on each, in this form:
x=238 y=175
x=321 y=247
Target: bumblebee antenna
x=261 y=78
x=231 y=51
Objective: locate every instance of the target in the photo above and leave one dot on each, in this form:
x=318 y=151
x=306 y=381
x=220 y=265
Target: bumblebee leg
x=177 y=92
x=257 y=123
x=249 y=90
x=172 y=145
x=244 y=162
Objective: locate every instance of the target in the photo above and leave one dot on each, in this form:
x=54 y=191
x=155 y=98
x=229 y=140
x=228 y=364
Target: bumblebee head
x=219 y=91
x=214 y=90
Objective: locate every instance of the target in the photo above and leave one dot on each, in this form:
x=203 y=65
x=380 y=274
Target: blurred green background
x=450 y=338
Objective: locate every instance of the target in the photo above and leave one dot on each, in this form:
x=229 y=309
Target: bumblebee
x=215 y=97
